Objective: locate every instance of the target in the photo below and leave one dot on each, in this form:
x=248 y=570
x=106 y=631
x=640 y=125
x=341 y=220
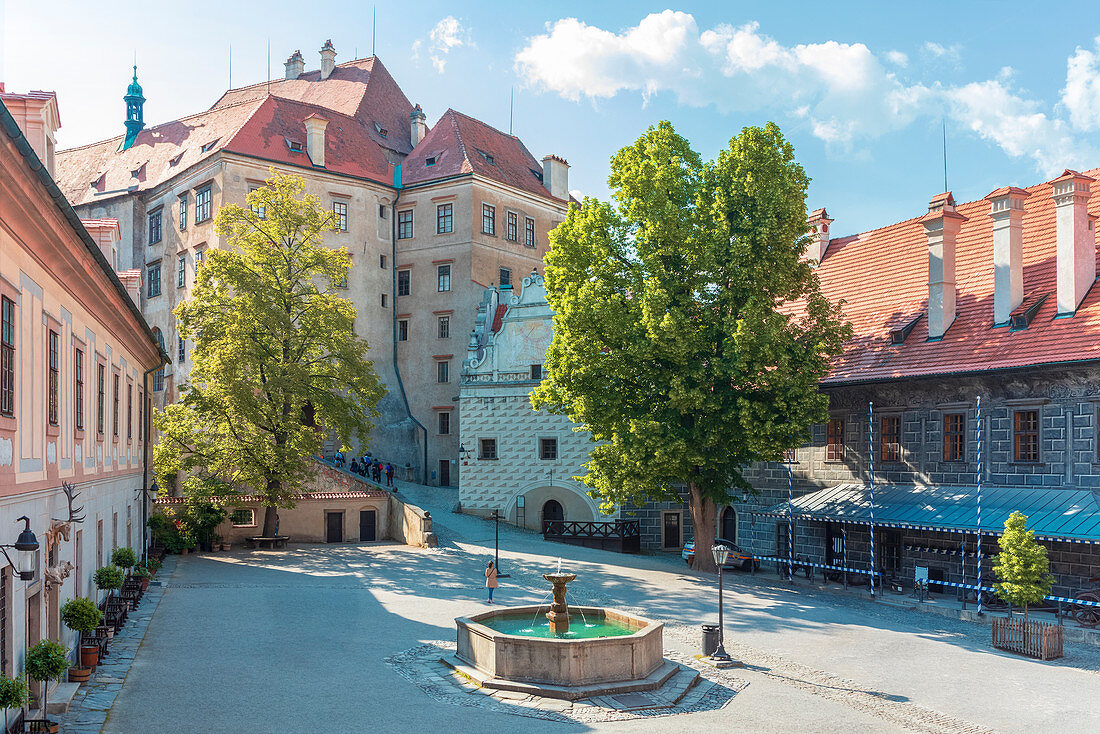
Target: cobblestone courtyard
x=306 y=640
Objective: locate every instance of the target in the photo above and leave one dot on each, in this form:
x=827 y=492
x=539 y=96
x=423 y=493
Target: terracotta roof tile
x=882 y=276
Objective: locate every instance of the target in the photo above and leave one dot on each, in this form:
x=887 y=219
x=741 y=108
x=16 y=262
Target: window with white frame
x=405 y=224
x=443 y=371
x=154 y=227
x=258 y=209
x=404 y=281
x=444 y=327
x=340 y=209
x=183 y=211
x=513 y=227
x=243 y=518
x=444 y=422
x=203 y=204
x=181 y=270
x=529 y=232
x=487 y=449
x=443 y=278
x=153 y=271
x=488 y=219
x=548 y=449
x=444 y=218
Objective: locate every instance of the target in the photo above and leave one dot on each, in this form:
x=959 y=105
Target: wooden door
x=334 y=527
x=444 y=472
x=367 y=525
x=671 y=530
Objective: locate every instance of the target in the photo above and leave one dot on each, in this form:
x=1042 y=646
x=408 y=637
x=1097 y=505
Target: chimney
x=36 y=115
x=295 y=65
x=555 y=176
x=819 y=222
x=328 y=60
x=107 y=235
x=131 y=280
x=1076 y=240
x=419 y=125
x=1006 y=209
x=315 y=138
x=941 y=226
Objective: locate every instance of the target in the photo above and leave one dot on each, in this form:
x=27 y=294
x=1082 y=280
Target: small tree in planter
x=82 y=616
x=47 y=660
x=1022 y=565
x=108 y=578
x=204 y=517
x=124 y=558
x=13 y=693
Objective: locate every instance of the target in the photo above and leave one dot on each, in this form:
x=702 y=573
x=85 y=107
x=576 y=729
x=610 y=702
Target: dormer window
x=100 y=183
x=429 y=161
x=488 y=158
x=175 y=161
x=901 y=332
x=380 y=130
x=136 y=173
x=206 y=148
x=536 y=174
x=295 y=146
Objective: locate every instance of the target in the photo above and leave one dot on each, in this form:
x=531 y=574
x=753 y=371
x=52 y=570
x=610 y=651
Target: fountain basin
x=566 y=661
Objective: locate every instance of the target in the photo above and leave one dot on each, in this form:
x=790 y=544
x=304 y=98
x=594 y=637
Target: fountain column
x=559 y=610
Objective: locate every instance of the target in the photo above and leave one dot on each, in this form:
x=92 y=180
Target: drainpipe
x=393 y=332
x=145 y=423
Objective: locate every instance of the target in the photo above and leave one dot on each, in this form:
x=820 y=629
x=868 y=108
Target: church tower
x=135 y=121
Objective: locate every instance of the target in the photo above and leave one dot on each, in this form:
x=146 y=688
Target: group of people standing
x=366 y=466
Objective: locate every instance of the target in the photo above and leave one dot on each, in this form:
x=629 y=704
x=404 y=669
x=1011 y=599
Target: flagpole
x=790 y=523
x=871 y=455
x=979 y=528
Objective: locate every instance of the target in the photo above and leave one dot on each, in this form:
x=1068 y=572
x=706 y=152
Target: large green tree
x=689 y=336
x=276 y=363
x=1022 y=566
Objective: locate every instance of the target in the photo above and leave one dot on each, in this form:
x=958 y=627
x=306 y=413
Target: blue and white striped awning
x=1069 y=515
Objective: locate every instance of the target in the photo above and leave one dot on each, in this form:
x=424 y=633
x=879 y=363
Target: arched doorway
x=552 y=512
x=729 y=525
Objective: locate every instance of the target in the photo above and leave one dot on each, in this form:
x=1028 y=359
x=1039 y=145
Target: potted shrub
x=82 y=616
x=13 y=693
x=203 y=518
x=47 y=660
x=144 y=575
x=109 y=579
x=124 y=558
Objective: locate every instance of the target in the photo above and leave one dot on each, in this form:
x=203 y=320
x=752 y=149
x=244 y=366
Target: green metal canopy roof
x=1054 y=514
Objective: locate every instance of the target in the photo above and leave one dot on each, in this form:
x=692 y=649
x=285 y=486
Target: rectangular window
x=340 y=209
x=444 y=218
x=258 y=209
x=183 y=212
x=404 y=280
x=444 y=327
x=78 y=391
x=403 y=330
x=834 y=445
x=405 y=224
x=890 y=441
x=488 y=448
x=129 y=411
x=153 y=271
x=203 y=201
x=343 y=282
x=443 y=371
x=529 y=232
x=1026 y=436
x=100 y=398
x=54 y=377
x=181 y=270
x=513 y=227
x=488 y=219
x=443 y=278
x=141 y=414
x=243 y=518
x=548 y=449
x=444 y=423
x=381 y=211
x=158 y=380
x=385 y=300
x=382 y=261
x=200 y=255
x=7 y=356
x=154 y=227
x=181 y=349
x=954 y=437
x=114 y=407
x=536 y=372
x=505 y=277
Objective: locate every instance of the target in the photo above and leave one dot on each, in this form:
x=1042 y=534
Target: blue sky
x=861 y=89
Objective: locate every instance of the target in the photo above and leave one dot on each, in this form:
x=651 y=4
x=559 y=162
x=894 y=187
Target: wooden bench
x=277 y=541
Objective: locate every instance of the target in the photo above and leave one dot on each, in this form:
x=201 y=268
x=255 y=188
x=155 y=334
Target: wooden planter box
x=1035 y=639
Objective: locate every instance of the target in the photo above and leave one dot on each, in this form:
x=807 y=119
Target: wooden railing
x=1034 y=639
x=624 y=536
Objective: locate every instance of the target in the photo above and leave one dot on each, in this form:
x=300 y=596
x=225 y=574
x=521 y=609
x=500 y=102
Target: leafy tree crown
x=1022 y=566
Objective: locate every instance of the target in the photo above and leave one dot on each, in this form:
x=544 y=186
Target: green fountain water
x=524 y=626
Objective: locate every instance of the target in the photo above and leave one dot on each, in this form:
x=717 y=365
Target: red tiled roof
x=498 y=317
x=241 y=499
x=882 y=275
x=460 y=144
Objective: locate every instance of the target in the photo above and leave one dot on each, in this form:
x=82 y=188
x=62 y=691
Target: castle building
x=76 y=360
x=431 y=216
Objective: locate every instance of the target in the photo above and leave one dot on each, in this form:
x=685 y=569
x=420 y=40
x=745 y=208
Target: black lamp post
x=721 y=555
x=496 y=543
x=26 y=545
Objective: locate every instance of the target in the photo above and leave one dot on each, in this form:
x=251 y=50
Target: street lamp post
x=496 y=544
x=721 y=555
x=26 y=545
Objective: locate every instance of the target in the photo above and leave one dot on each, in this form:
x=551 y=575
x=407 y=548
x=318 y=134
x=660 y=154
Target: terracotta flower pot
x=227 y=546
x=79 y=674
x=145 y=583
x=89 y=655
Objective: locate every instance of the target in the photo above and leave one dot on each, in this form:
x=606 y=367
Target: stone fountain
x=602 y=652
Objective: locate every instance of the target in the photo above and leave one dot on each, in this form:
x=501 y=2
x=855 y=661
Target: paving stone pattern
x=92 y=703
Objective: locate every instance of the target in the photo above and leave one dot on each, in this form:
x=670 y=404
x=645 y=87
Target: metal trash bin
x=710 y=639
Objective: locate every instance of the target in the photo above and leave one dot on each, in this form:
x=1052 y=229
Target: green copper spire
x=135 y=102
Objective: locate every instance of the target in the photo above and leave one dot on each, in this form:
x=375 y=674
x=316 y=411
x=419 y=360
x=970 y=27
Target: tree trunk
x=704 y=523
x=271 y=519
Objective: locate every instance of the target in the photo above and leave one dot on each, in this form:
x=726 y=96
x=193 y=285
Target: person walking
x=389 y=475
x=491 y=579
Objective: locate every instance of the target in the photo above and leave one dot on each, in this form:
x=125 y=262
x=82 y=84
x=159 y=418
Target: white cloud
x=844 y=92
x=448 y=34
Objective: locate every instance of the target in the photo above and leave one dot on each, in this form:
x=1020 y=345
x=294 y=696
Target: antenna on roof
x=945 y=155
x=511 y=107
x=269 y=64
x=373 y=27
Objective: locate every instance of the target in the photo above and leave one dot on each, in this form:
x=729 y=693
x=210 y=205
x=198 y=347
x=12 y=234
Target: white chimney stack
x=818 y=222
x=555 y=176
x=295 y=65
x=1006 y=209
x=315 y=138
x=941 y=226
x=1076 y=257
x=419 y=124
x=328 y=59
